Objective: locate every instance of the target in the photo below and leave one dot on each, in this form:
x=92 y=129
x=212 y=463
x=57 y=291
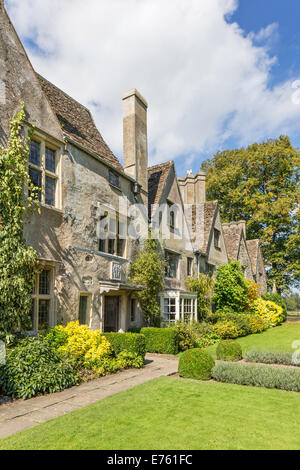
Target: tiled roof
x=253 y=249
x=232 y=237
x=77 y=122
x=157 y=178
x=209 y=212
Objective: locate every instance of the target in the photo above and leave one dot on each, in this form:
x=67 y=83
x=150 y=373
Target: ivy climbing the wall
x=18 y=199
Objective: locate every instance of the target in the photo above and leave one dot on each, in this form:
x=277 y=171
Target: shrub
x=241 y=320
x=34 y=367
x=203 y=286
x=134 y=329
x=278 y=300
x=56 y=337
x=227 y=329
x=109 y=365
x=231 y=290
x=271 y=313
x=130 y=342
x=186 y=336
x=257 y=324
x=229 y=351
x=196 y=364
x=283 y=378
x=205 y=334
x=161 y=340
x=271 y=357
x=83 y=344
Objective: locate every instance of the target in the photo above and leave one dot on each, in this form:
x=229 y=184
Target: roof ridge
x=62 y=91
x=169 y=162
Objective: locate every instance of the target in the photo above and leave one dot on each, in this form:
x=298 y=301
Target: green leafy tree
x=231 y=288
x=148 y=270
x=17 y=261
x=260 y=184
x=203 y=286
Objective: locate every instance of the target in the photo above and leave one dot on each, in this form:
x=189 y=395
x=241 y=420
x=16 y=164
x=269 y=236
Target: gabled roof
x=209 y=209
x=157 y=178
x=77 y=122
x=232 y=236
x=253 y=249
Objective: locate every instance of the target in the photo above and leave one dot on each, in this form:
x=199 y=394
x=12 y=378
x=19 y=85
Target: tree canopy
x=260 y=184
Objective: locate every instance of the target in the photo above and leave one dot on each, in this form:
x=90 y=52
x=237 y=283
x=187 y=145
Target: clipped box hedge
x=132 y=342
x=282 y=378
x=196 y=364
x=161 y=340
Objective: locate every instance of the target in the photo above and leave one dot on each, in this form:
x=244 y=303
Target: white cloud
x=204 y=80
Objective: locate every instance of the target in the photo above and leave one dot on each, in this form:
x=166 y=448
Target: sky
x=217 y=74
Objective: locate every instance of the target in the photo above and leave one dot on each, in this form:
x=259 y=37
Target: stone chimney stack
x=193 y=188
x=135 y=137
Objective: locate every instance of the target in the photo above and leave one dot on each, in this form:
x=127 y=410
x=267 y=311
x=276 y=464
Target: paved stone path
x=20 y=415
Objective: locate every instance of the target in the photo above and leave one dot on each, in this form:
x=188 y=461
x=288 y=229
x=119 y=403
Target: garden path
x=20 y=415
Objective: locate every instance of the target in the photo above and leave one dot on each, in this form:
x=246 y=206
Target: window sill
x=52 y=208
x=116 y=187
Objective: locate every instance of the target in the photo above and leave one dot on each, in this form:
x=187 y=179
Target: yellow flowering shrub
x=227 y=329
x=270 y=312
x=257 y=324
x=84 y=345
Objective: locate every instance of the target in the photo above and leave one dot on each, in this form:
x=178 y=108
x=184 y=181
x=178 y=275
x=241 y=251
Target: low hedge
x=271 y=357
x=229 y=351
x=196 y=364
x=131 y=342
x=161 y=340
x=282 y=378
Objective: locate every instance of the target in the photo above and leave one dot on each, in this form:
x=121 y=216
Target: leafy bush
x=231 y=289
x=203 y=286
x=161 y=340
x=134 y=329
x=83 y=345
x=241 y=320
x=205 y=335
x=130 y=342
x=278 y=300
x=271 y=357
x=229 y=351
x=283 y=378
x=227 y=329
x=109 y=365
x=186 y=336
x=56 y=337
x=257 y=324
x=34 y=367
x=196 y=364
x=271 y=313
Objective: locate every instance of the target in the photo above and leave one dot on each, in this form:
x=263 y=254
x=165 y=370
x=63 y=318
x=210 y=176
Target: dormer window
x=114 y=179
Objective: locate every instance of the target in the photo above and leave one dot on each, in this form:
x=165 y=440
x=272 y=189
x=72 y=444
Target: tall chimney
x=135 y=137
x=193 y=188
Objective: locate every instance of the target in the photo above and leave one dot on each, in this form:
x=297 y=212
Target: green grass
x=275 y=339
x=170 y=413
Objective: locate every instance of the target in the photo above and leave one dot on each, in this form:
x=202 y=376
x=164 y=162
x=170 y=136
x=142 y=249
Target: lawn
x=171 y=413
x=275 y=339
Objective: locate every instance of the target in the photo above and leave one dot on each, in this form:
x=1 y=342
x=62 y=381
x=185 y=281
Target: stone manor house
x=81 y=234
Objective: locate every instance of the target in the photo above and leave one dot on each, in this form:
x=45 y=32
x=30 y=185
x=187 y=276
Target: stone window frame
x=217 y=239
x=50 y=143
x=115 y=234
x=36 y=297
x=88 y=295
x=168 y=255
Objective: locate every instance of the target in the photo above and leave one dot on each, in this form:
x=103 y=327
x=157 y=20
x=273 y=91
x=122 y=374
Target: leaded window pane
x=114 y=179
x=83 y=310
x=50 y=160
x=36 y=179
x=44 y=310
x=44 y=282
x=50 y=186
x=35 y=153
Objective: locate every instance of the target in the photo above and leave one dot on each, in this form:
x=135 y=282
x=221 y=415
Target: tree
x=204 y=287
x=231 y=288
x=148 y=270
x=17 y=261
x=260 y=184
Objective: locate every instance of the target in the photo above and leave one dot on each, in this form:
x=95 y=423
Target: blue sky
x=217 y=74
